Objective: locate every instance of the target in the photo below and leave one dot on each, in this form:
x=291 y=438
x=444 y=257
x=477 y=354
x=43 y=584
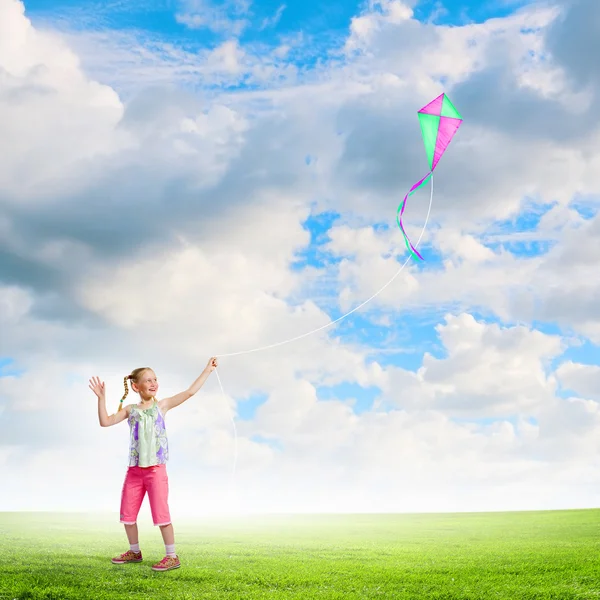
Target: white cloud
x=228 y=18
x=226 y=57
x=491 y=371
x=45 y=105
x=273 y=20
x=582 y=379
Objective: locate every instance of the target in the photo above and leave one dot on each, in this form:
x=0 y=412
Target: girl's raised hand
x=212 y=364
x=97 y=387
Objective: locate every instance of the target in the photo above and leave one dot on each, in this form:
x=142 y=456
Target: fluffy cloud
x=58 y=121
x=582 y=379
x=228 y=18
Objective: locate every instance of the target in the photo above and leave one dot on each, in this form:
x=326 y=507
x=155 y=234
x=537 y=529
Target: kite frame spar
x=439 y=122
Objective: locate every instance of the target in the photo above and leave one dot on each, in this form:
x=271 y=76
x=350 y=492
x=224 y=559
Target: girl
x=148 y=455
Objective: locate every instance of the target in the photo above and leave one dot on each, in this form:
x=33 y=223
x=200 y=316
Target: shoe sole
x=125 y=562
x=169 y=569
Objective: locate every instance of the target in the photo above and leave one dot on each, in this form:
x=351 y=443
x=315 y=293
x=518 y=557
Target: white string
x=235 y=437
x=298 y=337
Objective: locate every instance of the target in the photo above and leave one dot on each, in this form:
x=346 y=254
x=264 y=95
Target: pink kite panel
x=434 y=107
x=447 y=129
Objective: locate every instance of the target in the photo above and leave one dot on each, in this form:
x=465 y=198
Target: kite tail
x=400 y=212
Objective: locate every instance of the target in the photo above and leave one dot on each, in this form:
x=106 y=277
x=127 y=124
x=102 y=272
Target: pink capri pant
x=138 y=481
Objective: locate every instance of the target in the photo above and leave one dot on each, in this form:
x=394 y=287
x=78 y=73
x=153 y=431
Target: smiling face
x=146 y=384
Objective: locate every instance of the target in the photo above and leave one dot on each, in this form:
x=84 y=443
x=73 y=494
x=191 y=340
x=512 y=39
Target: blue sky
x=158 y=16
x=323 y=23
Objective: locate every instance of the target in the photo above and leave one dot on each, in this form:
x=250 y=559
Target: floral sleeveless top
x=148 y=444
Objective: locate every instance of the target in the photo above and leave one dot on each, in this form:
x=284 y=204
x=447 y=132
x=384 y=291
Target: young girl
x=148 y=455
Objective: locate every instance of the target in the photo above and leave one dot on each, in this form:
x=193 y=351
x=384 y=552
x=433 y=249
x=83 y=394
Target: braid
x=126 y=391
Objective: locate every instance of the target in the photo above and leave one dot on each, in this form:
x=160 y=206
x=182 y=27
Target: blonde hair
x=134 y=376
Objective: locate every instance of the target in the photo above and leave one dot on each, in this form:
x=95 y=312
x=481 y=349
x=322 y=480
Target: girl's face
x=147 y=384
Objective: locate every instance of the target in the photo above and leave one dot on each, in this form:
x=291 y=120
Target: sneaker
x=167 y=563
x=128 y=557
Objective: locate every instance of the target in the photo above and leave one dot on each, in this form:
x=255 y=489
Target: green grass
x=463 y=556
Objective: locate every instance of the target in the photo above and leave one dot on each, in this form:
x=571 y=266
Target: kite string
x=235 y=437
x=330 y=323
x=310 y=333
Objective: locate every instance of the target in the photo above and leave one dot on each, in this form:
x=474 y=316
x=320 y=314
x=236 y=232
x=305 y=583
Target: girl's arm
x=105 y=421
x=169 y=403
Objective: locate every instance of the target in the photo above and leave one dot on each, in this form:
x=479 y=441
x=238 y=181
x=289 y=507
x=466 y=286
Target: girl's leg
x=158 y=494
x=168 y=534
x=169 y=540
x=131 y=500
x=132 y=534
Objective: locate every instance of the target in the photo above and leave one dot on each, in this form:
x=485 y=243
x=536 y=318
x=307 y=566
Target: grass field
x=462 y=556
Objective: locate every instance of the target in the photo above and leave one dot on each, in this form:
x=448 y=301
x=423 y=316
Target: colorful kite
x=439 y=122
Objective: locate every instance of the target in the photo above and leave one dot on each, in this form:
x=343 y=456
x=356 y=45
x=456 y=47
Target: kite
x=439 y=122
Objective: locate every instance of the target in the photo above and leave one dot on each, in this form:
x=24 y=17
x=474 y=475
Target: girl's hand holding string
x=212 y=364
